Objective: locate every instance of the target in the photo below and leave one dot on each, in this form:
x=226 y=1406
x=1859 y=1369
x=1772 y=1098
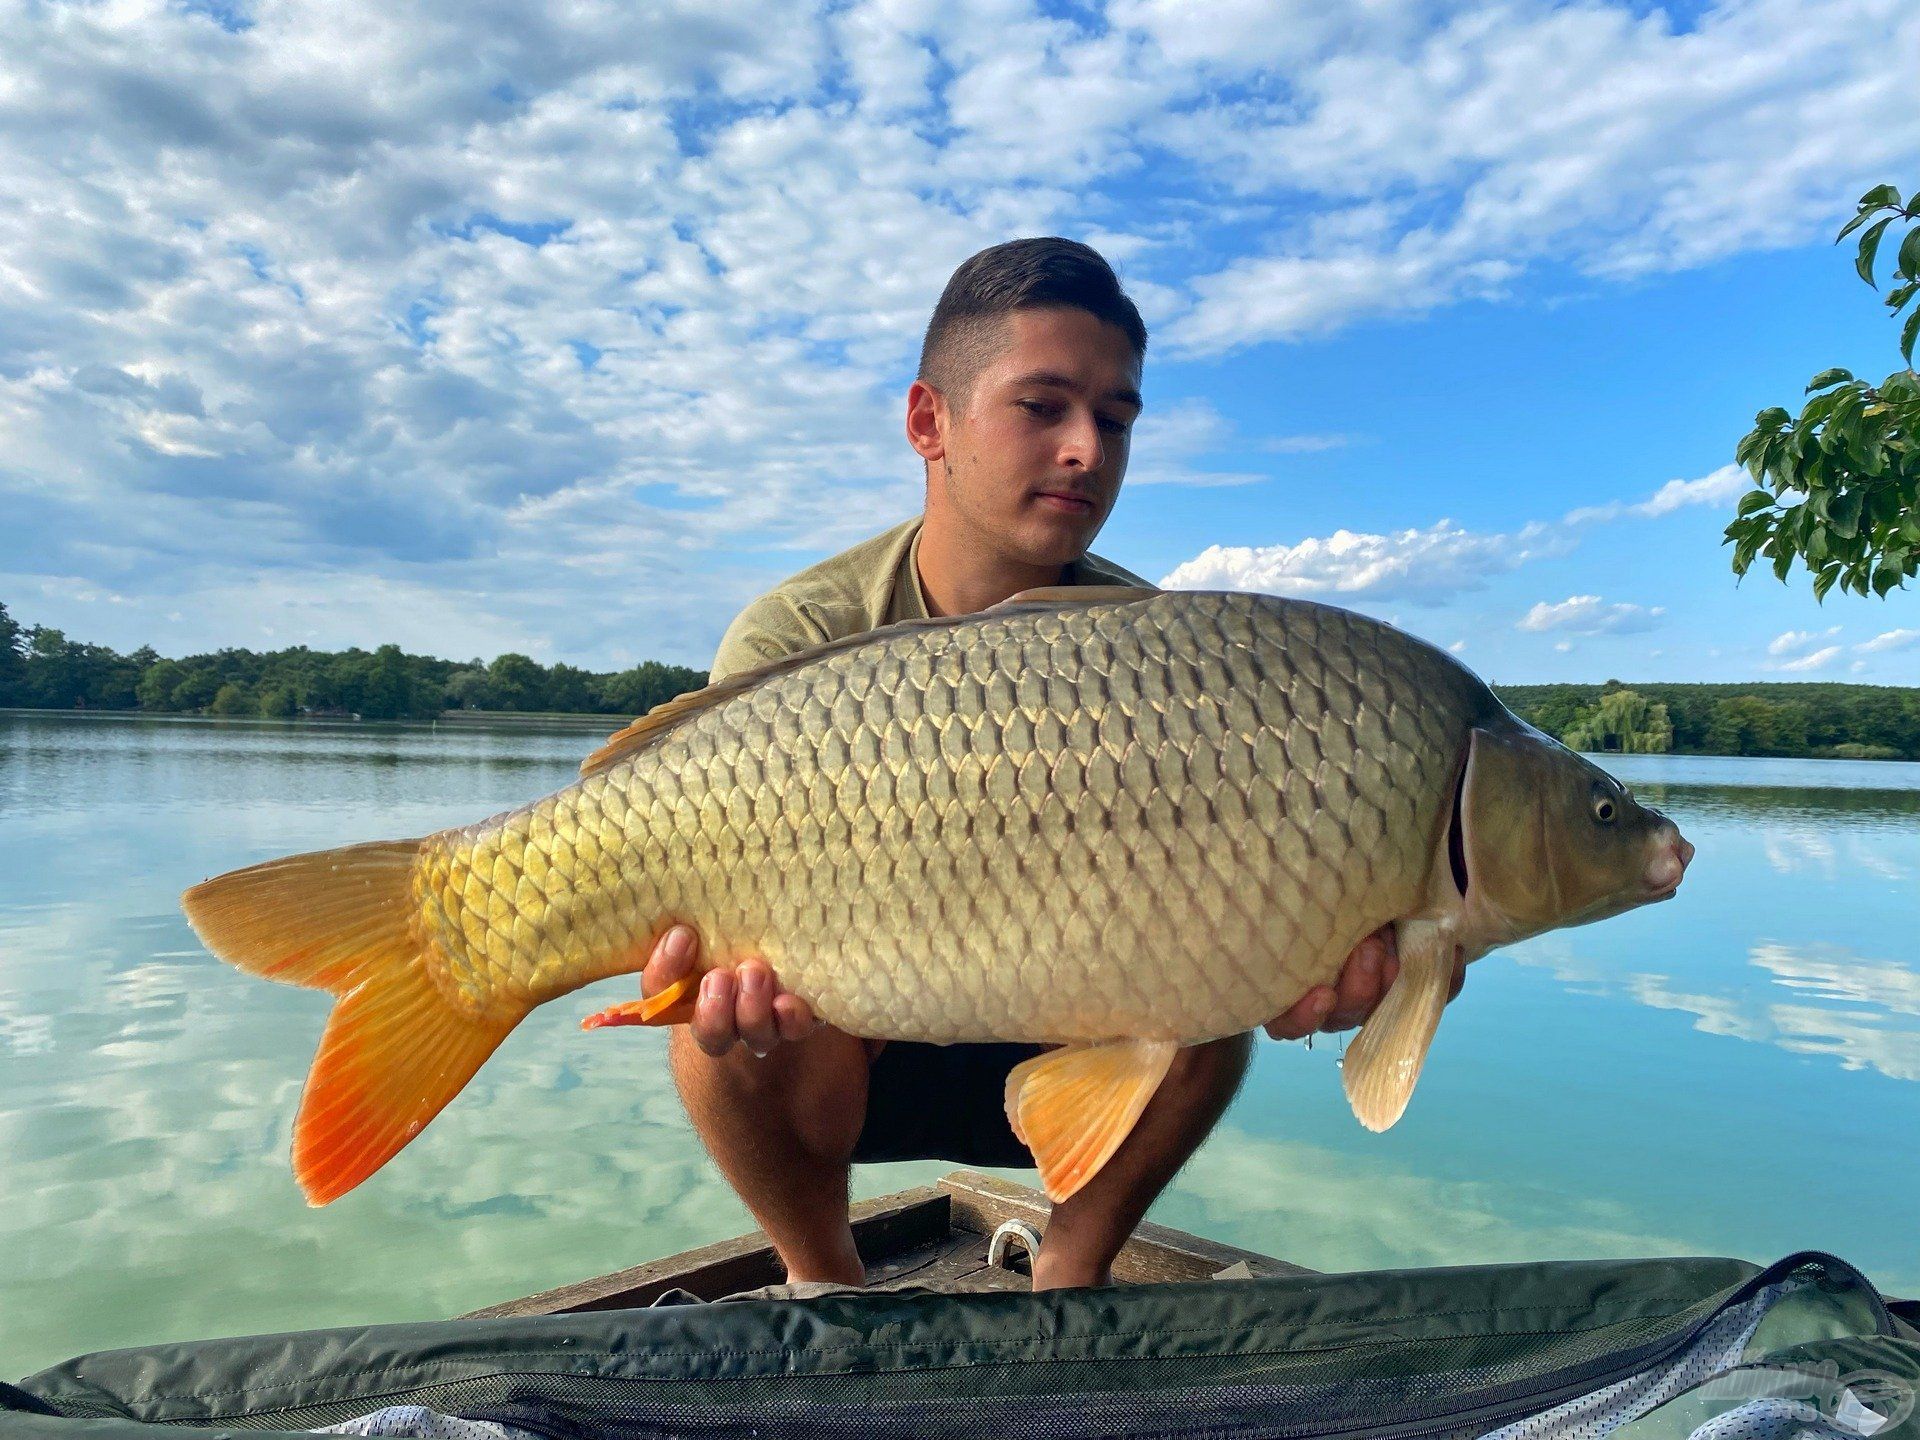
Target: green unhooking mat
x=1639 y=1350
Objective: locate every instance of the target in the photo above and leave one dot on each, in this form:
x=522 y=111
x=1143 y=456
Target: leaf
x=1813 y=544
x=1830 y=377
x=1910 y=334
x=1880 y=195
x=1843 y=515
x=1869 y=247
x=1823 y=582
x=1910 y=254
x=1771 y=418
x=1782 y=561
x=1884 y=579
x=1754 y=500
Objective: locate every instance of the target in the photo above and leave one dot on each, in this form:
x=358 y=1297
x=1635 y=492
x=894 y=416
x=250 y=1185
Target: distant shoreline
x=593 y=724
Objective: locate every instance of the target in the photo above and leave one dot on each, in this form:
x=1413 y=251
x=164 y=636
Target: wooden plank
x=1155 y=1255
x=882 y=1228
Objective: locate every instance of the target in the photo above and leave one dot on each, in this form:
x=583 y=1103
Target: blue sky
x=569 y=329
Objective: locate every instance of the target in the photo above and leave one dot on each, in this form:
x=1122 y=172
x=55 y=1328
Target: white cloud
x=1427 y=565
x=1722 y=485
x=1458 y=647
x=1170 y=443
x=507 y=310
x=1714 y=489
x=1590 y=615
x=1590 y=136
x=1788 y=641
x=1432 y=563
x=1817 y=660
x=1889 y=640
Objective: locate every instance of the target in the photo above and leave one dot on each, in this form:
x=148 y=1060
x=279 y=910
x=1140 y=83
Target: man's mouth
x=1066 y=502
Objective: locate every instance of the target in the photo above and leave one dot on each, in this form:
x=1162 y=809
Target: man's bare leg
x=1086 y=1232
x=782 y=1130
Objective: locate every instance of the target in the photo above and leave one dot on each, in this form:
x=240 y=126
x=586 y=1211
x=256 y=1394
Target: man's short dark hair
x=1019 y=275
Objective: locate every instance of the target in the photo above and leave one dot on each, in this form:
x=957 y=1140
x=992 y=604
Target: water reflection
x=147 y=1091
x=1870 y=1025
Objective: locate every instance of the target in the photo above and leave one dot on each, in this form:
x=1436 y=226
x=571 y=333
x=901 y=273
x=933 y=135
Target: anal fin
x=1383 y=1063
x=1073 y=1106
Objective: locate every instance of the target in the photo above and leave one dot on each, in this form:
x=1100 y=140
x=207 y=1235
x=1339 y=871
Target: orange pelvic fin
x=395 y=1050
x=672 y=1006
x=1073 y=1106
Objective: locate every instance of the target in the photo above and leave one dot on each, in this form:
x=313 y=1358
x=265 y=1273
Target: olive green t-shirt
x=875 y=583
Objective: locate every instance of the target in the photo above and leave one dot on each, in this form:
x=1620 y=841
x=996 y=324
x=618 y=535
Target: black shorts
x=942 y=1102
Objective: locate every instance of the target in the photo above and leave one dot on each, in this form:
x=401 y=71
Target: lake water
x=1736 y=1072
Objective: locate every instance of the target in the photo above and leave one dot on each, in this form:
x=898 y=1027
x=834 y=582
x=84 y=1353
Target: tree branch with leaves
x=1839 y=486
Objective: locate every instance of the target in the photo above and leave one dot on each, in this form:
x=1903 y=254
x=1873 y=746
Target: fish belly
x=1165 y=819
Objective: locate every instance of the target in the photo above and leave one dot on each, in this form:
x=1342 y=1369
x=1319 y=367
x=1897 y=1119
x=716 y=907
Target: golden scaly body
x=1164 y=819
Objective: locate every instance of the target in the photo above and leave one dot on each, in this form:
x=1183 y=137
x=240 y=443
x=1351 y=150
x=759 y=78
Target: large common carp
x=1122 y=820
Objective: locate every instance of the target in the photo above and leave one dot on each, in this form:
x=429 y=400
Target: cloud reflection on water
x=1868 y=1033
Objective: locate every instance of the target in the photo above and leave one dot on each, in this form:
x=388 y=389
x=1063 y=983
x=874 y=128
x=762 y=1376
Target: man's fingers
x=672 y=959
x=1359 y=987
x=753 y=1010
x=794 y=1017
x=714 y=1027
x=1305 y=1015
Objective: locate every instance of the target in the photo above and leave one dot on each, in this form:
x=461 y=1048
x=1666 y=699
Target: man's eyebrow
x=1126 y=395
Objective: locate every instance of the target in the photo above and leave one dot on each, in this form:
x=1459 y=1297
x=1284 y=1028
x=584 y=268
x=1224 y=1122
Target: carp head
x=1543 y=837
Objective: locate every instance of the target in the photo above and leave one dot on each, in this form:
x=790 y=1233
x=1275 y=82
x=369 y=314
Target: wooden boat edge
x=934 y=1235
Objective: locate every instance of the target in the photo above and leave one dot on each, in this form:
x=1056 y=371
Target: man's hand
x=1364 y=981
x=744 y=1006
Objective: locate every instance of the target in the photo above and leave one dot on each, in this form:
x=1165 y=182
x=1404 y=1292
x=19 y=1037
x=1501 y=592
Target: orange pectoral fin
x=1073 y=1106
x=672 y=1006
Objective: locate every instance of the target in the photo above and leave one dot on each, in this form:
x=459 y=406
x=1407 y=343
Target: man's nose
x=1082 y=447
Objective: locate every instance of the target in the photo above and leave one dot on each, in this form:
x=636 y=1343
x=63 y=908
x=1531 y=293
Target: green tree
x=636 y=691
x=387 y=693
x=277 y=702
x=468 y=688
x=232 y=699
x=517 y=683
x=199 y=683
x=13 y=659
x=569 y=689
x=1624 y=721
x=1839 y=486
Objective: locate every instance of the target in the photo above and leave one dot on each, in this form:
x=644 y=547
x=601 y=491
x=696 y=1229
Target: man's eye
x=1112 y=426
x=1035 y=407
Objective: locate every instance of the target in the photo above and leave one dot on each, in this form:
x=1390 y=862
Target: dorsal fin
x=653 y=726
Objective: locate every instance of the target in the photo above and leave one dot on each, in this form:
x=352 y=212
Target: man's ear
x=927 y=421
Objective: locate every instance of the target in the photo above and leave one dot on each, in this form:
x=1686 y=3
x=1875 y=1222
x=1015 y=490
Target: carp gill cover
x=1122 y=821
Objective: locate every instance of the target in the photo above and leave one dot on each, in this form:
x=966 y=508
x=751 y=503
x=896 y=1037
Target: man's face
x=1035 y=453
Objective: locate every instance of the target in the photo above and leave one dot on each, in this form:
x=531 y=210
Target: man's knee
x=814 y=1089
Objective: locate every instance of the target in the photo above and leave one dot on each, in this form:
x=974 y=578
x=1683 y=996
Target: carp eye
x=1604 y=810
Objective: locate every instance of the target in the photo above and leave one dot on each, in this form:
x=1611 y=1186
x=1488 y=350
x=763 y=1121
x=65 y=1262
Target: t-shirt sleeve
x=767 y=630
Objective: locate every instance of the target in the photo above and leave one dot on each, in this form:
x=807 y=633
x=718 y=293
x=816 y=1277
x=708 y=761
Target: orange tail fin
x=395 y=1052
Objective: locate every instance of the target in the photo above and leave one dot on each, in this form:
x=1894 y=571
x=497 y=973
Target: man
x=1028 y=387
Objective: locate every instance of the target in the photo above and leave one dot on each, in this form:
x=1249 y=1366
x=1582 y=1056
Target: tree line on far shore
x=41 y=668
x=1825 y=720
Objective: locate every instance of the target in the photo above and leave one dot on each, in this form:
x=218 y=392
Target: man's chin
x=1057 y=538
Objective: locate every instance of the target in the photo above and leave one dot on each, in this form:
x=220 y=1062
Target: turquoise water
x=1737 y=1072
